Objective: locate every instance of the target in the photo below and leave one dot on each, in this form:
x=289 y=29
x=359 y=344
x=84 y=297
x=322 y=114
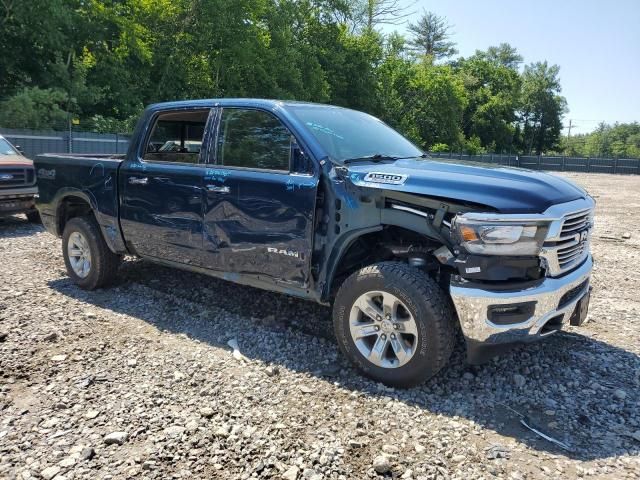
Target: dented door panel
x=162 y=217
x=260 y=223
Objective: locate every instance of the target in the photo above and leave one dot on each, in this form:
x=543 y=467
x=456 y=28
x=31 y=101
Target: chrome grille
x=11 y=177
x=569 y=254
x=575 y=222
x=570 y=246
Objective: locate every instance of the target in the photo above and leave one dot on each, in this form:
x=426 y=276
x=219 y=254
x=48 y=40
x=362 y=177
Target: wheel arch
x=404 y=224
x=71 y=203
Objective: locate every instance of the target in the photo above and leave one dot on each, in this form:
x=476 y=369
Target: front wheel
x=394 y=323
x=89 y=262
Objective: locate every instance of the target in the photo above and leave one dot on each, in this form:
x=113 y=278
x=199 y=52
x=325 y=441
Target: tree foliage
x=34 y=108
x=504 y=54
x=103 y=61
x=431 y=36
x=542 y=108
x=493 y=89
x=621 y=140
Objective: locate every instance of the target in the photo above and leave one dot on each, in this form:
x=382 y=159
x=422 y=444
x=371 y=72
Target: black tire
x=104 y=263
x=426 y=302
x=33 y=216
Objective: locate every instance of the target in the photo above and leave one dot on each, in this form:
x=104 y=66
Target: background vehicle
x=333 y=205
x=18 y=189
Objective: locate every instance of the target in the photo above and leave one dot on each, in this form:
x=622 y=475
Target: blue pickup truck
x=333 y=205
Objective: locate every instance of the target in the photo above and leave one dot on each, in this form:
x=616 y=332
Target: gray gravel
x=139 y=381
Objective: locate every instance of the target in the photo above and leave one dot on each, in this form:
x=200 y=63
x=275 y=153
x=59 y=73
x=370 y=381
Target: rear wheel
x=394 y=323
x=89 y=262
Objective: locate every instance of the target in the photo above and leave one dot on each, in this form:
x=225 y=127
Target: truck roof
x=235 y=102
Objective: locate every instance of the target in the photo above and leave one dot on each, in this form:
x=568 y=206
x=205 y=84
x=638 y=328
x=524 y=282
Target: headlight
x=499 y=238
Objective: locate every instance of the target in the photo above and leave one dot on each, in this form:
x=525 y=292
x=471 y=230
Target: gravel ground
x=138 y=381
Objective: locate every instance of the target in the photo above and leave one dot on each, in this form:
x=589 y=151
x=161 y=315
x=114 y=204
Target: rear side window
x=253 y=139
x=177 y=137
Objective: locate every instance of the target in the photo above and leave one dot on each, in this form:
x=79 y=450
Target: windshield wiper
x=422 y=155
x=378 y=157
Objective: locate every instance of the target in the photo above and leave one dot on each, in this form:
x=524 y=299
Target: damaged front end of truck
x=511 y=277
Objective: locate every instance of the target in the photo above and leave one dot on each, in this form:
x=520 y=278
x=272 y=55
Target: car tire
x=33 y=216
x=410 y=353
x=89 y=262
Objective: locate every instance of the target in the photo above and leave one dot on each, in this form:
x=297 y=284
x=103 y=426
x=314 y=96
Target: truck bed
x=90 y=177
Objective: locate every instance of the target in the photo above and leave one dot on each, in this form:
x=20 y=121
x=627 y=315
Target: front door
x=258 y=216
x=162 y=201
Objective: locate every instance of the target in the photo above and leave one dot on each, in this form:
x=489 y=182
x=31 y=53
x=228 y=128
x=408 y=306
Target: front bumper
x=553 y=302
x=22 y=202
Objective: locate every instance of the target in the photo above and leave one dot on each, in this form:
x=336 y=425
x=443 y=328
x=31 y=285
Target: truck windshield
x=6 y=148
x=348 y=134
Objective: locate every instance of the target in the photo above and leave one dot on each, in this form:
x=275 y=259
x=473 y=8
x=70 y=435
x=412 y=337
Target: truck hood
x=503 y=189
x=15 y=161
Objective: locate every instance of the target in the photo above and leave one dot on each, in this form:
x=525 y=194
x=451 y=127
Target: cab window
x=177 y=137
x=253 y=139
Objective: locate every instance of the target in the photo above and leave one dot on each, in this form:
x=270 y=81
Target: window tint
x=177 y=137
x=253 y=139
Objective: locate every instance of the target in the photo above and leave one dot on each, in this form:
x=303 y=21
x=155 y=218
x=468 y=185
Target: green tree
x=473 y=146
x=619 y=140
x=103 y=61
x=394 y=76
x=493 y=89
x=542 y=108
x=35 y=108
x=33 y=34
x=431 y=36
x=434 y=102
x=504 y=54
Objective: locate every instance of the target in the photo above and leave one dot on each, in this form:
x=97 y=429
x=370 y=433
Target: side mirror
x=19 y=149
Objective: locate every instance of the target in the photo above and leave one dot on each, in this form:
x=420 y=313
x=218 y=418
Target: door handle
x=218 y=188
x=138 y=180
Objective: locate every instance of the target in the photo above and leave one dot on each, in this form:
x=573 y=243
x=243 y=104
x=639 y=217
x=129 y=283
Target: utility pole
x=569 y=134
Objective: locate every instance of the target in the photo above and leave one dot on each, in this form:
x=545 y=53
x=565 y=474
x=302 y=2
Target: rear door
x=259 y=207
x=162 y=189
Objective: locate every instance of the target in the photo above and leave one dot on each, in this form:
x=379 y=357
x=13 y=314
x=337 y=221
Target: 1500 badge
x=387 y=178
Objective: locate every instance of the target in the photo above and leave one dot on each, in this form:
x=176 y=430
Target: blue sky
x=595 y=43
